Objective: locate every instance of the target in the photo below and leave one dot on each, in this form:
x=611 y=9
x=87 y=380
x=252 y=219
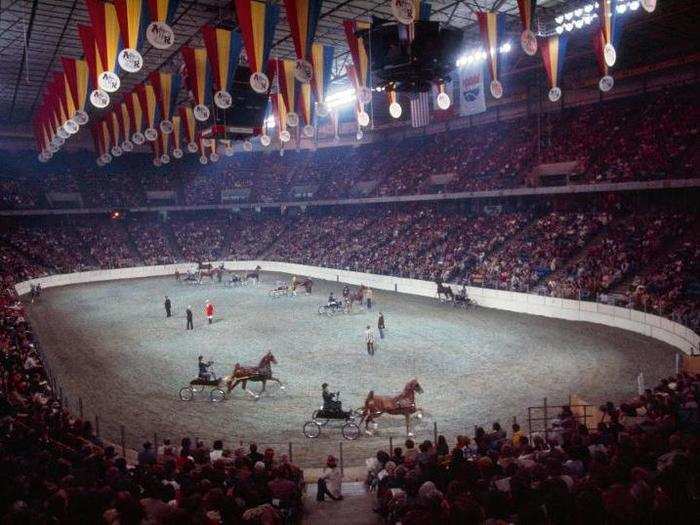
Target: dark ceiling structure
x=34 y=34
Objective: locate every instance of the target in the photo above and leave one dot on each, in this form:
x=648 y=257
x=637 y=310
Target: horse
x=255 y=274
x=212 y=273
x=260 y=373
x=357 y=296
x=302 y=281
x=444 y=290
x=400 y=405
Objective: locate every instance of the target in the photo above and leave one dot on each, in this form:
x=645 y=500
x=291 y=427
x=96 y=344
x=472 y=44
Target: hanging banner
x=305 y=104
x=124 y=119
x=472 y=99
x=132 y=18
x=115 y=133
x=359 y=59
x=148 y=102
x=190 y=127
x=158 y=33
x=322 y=62
x=98 y=97
x=553 y=51
x=96 y=132
x=257 y=22
x=105 y=26
x=528 y=40
x=606 y=81
x=156 y=146
x=198 y=80
x=360 y=113
x=164 y=142
x=607 y=18
x=177 y=126
x=133 y=106
x=491 y=26
x=166 y=87
x=287 y=88
x=223 y=49
x=303 y=16
x=280 y=113
x=76 y=72
x=65 y=104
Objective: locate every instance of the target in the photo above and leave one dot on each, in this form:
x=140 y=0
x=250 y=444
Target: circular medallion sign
x=138 y=138
x=443 y=101
x=127 y=146
x=308 y=130
x=606 y=83
x=293 y=119
x=166 y=126
x=265 y=140
x=247 y=145
x=192 y=147
x=160 y=35
x=71 y=126
x=363 y=118
x=259 y=82
x=108 y=81
x=203 y=159
x=130 y=60
x=609 y=54
x=201 y=112
x=81 y=117
x=555 y=94
x=528 y=41
x=496 y=89
x=177 y=153
x=303 y=71
x=151 y=134
x=99 y=98
x=285 y=136
x=62 y=133
x=214 y=157
x=165 y=158
x=222 y=99
x=649 y=5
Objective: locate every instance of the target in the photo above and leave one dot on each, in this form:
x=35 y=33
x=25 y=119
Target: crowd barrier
x=643 y=323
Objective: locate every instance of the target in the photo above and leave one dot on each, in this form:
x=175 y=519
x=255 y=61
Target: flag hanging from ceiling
x=280 y=113
x=76 y=72
x=257 y=22
x=528 y=40
x=553 y=51
x=159 y=33
x=198 y=80
x=360 y=63
x=189 y=125
x=472 y=98
x=177 y=126
x=166 y=87
x=98 y=97
x=164 y=143
x=287 y=88
x=132 y=18
x=105 y=26
x=133 y=106
x=156 y=146
x=64 y=105
x=360 y=113
x=420 y=110
x=607 y=17
x=125 y=125
x=149 y=106
x=491 y=26
x=223 y=51
x=322 y=62
x=303 y=16
x=305 y=105
x=114 y=133
x=96 y=131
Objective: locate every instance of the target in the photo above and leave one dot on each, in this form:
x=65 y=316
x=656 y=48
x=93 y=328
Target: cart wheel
x=186 y=393
x=321 y=310
x=319 y=419
x=216 y=395
x=351 y=431
x=196 y=389
x=312 y=429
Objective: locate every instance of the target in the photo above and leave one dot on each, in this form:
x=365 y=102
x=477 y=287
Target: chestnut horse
x=444 y=290
x=357 y=296
x=402 y=405
x=302 y=281
x=260 y=373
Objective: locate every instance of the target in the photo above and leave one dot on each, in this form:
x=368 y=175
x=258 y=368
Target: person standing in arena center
x=209 y=311
x=188 y=313
x=167 y=305
x=380 y=325
x=369 y=338
x=368 y=296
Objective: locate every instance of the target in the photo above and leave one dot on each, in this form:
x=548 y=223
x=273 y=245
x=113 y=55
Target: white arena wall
x=650 y=325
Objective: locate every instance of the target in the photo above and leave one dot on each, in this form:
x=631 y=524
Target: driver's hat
x=324 y=385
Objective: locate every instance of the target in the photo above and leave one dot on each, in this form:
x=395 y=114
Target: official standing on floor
x=369 y=339
x=168 y=305
x=368 y=297
x=188 y=313
x=380 y=325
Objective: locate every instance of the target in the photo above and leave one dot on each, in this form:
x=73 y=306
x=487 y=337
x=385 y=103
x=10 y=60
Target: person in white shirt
x=218 y=451
x=330 y=482
x=369 y=339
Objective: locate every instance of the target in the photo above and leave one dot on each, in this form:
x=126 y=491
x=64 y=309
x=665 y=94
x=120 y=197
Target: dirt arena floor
x=110 y=345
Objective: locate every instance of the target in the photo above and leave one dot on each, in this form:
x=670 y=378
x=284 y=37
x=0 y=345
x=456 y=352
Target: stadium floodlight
x=559 y=30
x=578 y=12
x=621 y=8
x=634 y=5
x=505 y=48
x=559 y=19
x=579 y=23
x=588 y=8
x=569 y=15
x=340 y=98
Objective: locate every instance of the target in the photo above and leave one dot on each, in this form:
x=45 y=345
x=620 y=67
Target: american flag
x=420 y=110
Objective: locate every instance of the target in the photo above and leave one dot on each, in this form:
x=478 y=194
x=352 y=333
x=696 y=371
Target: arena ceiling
x=34 y=34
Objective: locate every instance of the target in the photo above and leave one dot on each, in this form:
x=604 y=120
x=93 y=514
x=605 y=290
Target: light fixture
x=569 y=15
x=634 y=5
x=559 y=19
x=578 y=23
x=505 y=48
x=621 y=8
x=578 y=12
x=569 y=26
x=395 y=109
x=588 y=8
x=559 y=30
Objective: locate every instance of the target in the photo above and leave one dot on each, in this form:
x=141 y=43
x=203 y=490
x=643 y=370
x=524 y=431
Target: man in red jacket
x=209 y=311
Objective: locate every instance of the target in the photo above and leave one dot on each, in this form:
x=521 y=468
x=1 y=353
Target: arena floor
x=110 y=345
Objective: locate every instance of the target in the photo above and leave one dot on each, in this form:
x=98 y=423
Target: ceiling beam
x=24 y=59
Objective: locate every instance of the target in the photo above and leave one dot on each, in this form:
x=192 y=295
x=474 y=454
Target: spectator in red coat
x=209 y=311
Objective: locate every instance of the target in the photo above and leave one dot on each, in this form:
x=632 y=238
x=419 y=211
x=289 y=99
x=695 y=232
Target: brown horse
x=402 y=405
x=358 y=296
x=302 y=281
x=444 y=290
x=260 y=373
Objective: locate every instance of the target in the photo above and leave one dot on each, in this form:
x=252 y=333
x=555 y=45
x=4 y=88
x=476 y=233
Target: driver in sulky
x=204 y=368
